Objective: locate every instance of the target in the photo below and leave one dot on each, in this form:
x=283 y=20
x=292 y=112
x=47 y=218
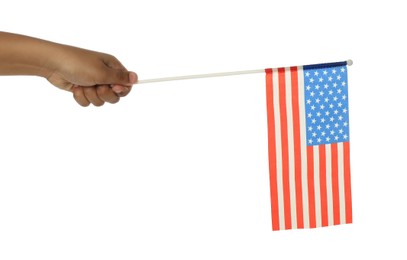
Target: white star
x=327 y=126
x=310 y=141
x=323 y=133
x=345 y=124
x=339 y=91
x=334 y=71
x=316 y=73
x=307 y=74
x=336 y=112
x=309 y=115
x=327 y=113
x=340 y=118
x=340 y=131
x=340 y=104
x=319 y=127
x=336 y=138
x=317 y=87
x=319 y=140
x=344 y=110
x=308 y=101
x=312 y=94
x=311 y=80
x=326 y=100
x=310 y=128
x=335 y=98
x=343 y=83
x=321 y=79
x=321 y=93
x=328 y=139
x=345 y=137
x=322 y=107
x=317 y=100
x=323 y=120
x=326 y=86
x=332 y=132
x=329 y=78
x=325 y=72
x=330 y=92
x=344 y=97
x=313 y=121
x=331 y=106
x=338 y=77
x=335 y=85
x=312 y=107
x=308 y=88
x=318 y=114
x=342 y=70
x=336 y=125
x=314 y=134
x=331 y=119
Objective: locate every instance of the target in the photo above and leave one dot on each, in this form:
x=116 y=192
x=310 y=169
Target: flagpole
x=210 y=75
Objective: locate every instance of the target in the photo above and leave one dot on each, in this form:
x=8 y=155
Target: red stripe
x=311 y=187
x=348 y=193
x=297 y=146
x=335 y=184
x=272 y=150
x=322 y=185
x=284 y=147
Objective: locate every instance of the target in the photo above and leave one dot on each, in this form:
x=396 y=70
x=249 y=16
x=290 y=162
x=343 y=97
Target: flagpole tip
x=349 y=62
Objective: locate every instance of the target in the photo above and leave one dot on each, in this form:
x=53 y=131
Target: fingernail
x=117 y=89
x=132 y=77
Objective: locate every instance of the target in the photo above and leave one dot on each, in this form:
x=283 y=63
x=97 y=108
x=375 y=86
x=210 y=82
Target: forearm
x=23 y=55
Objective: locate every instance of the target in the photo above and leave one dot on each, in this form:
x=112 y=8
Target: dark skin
x=92 y=77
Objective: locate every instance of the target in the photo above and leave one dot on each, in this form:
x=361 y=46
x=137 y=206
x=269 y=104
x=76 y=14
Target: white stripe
x=280 y=190
x=291 y=157
x=329 y=194
x=317 y=187
x=303 y=138
x=341 y=182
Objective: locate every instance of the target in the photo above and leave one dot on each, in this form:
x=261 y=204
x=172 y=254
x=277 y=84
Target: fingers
x=97 y=95
x=120 y=90
x=79 y=96
x=106 y=94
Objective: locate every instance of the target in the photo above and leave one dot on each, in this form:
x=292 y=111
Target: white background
x=179 y=170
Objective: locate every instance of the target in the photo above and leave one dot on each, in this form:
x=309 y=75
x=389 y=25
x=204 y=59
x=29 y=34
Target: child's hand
x=93 y=77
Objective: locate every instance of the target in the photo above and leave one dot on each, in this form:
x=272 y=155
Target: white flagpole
x=210 y=75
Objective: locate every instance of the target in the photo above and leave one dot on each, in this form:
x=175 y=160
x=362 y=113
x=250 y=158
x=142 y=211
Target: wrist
x=23 y=55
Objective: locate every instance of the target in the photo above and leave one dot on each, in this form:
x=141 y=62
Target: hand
x=93 y=77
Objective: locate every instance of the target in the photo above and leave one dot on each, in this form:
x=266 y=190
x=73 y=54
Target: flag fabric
x=308 y=142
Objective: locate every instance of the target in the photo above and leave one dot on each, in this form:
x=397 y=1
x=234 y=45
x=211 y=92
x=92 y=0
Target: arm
x=93 y=77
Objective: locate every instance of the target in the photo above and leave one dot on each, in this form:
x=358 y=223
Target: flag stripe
x=272 y=150
x=329 y=196
x=311 y=187
x=297 y=146
x=341 y=183
x=335 y=184
x=348 y=196
x=284 y=147
x=322 y=185
x=279 y=159
x=303 y=148
x=290 y=147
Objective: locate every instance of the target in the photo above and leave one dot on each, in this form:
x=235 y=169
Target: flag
x=308 y=143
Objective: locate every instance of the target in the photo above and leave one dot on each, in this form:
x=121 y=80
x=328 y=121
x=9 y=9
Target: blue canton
x=326 y=105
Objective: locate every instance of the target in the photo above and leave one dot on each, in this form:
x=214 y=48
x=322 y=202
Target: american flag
x=308 y=134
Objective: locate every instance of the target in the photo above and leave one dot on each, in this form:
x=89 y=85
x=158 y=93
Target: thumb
x=121 y=77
